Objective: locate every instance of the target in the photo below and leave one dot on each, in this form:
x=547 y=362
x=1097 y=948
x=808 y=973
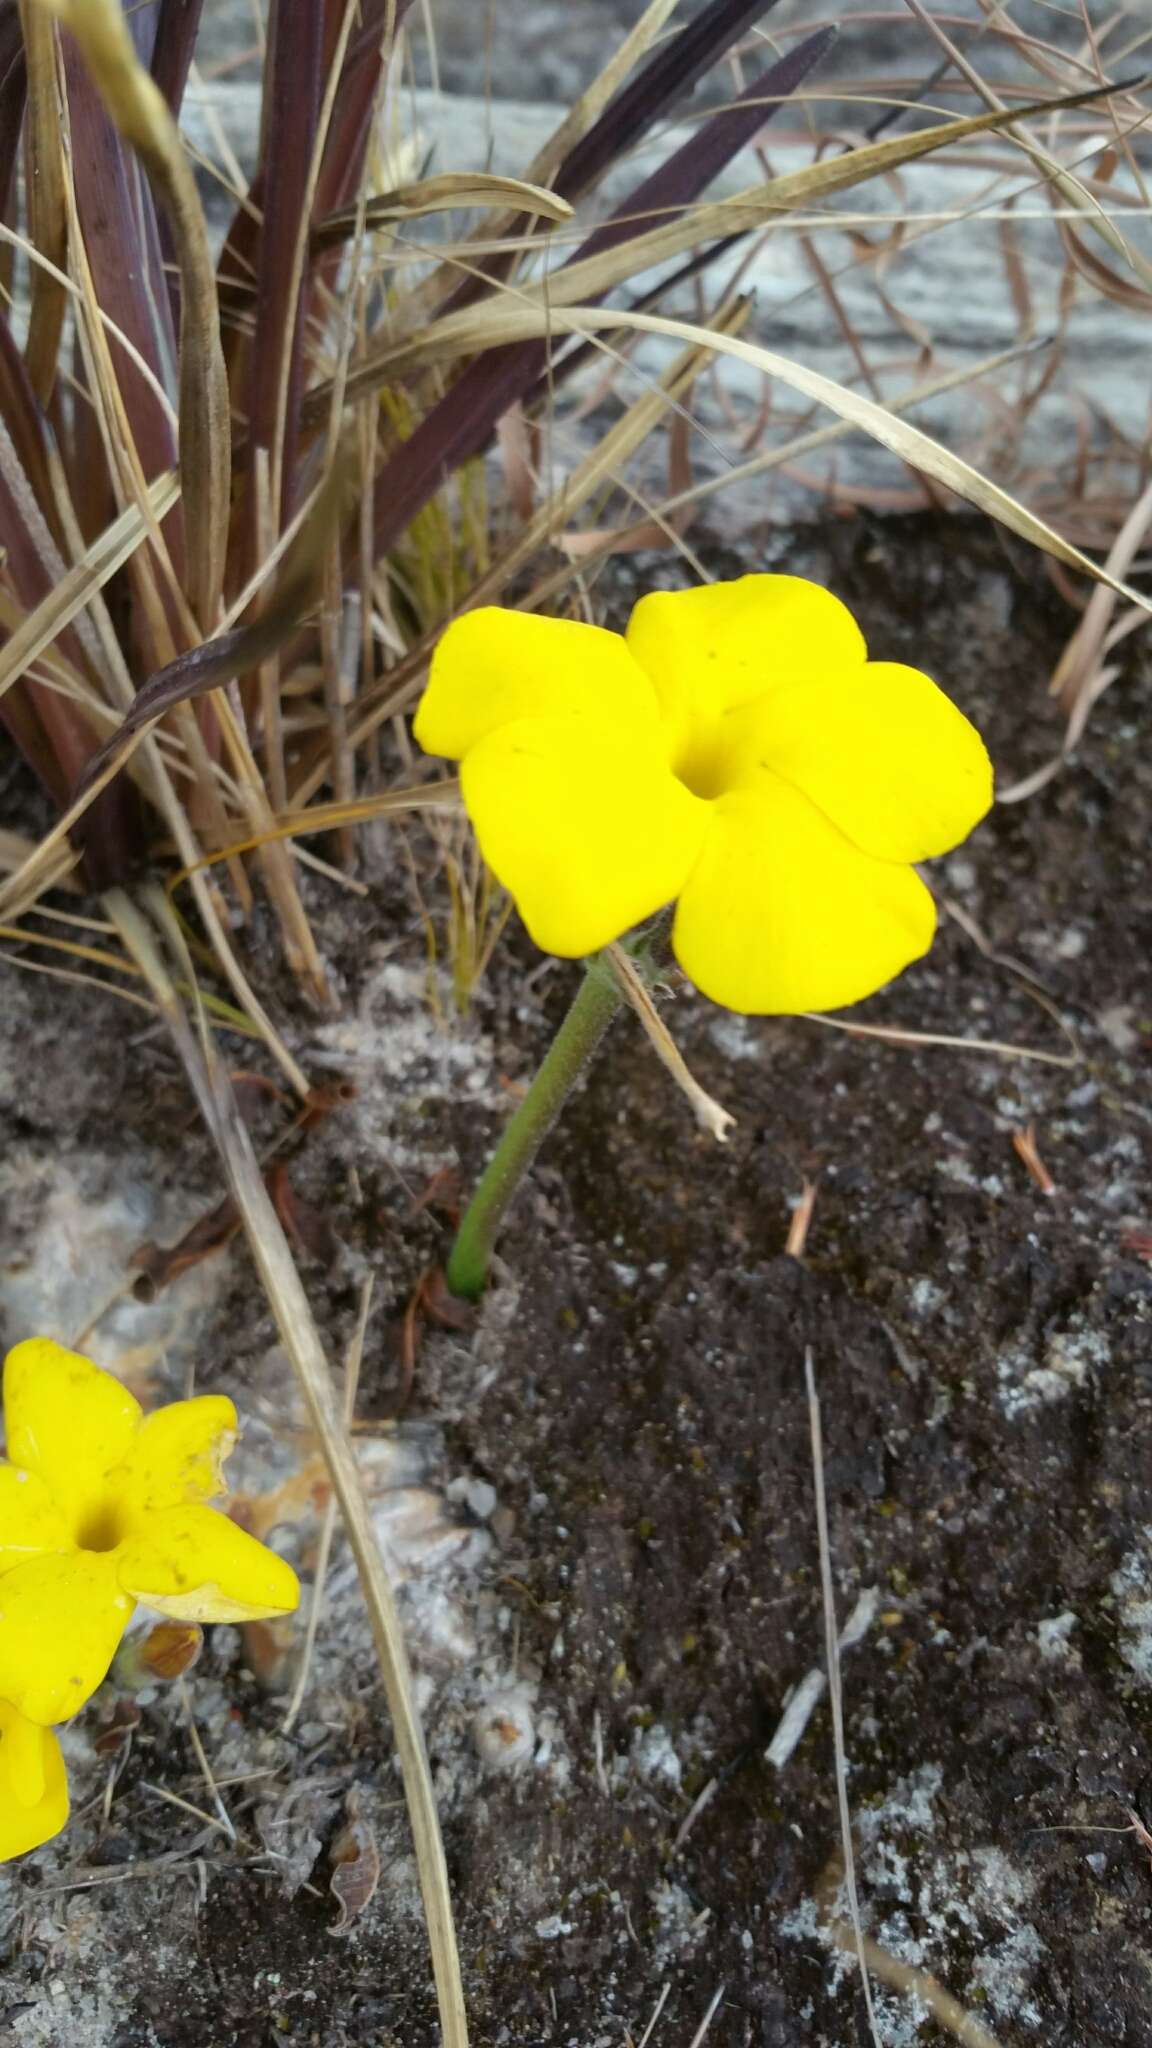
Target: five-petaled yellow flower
x=734 y=750
x=102 y=1506
x=33 y=1784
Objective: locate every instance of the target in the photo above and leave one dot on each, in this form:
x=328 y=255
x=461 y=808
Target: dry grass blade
x=443 y=194
x=328 y=1526
x=835 y=1691
x=39 y=261
x=98 y=955
x=709 y=1114
x=593 y=276
x=650 y=2029
x=216 y=661
x=563 y=150
x=1069 y=187
x=15 y=849
x=78 y=980
x=592 y=103
x=896 y=1034
x=334 y=817
x=138 y=108
x=301 y=1340
x=48 y=218
x=461 y=424
x=873 y=159
x=711 y=2011
x=918 y=449
x=78 y=585
x=1080 y=660
x=604 y=463
x=803 y=444
x=1082 y=673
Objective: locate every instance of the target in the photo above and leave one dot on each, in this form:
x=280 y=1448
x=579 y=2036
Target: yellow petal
x=60 y=1621
x=33 y=1784
x=195 y=1565
x=175 y=1458
x=21 y=1756
x=493 y=666
x=782 y=913
x=719 y=645
x=30 y=1522
x=586 y=826
x=883 y=752
x=67 y=1421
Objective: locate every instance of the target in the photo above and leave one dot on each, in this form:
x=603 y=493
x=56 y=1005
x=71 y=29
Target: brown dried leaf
x=269 y=1647
x=442 y=1193
x=169 y=1650
x=308 y=1228
x=254 y=1091
x=114 y=1736
x=430 y=1302
x=355 y=1865
x=172 y=1648
x=158 y=1265
x=324 y=1100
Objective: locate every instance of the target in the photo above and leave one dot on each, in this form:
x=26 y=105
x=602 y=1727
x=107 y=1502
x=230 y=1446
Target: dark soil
x=636 y=1396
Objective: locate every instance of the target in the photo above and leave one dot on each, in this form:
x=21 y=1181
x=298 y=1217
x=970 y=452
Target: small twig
x=209 y=1820
x=709 y=2016
x=170 y=1864
x=328 y=1526
x=945 y=2010
x=1023 y=976
x=897 y=1035
x=707 y=1111
x=205 y=1766
x=703 y=1798
x=1024 y=1145
x=812 y=1687
x=832 y=1655
x=650 y=2029
x=1138 y=1829
x=801 y=1221
x=598 y=1754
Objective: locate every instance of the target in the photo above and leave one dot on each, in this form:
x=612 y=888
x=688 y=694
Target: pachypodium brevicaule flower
x=103 y=1507
x=735 y=751
x=33 y=1784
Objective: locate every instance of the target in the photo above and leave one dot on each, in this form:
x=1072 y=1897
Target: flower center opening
x=100 y=1529
x=704 y=764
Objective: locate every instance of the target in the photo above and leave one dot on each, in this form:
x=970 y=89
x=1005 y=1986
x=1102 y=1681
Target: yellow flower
x=33 y=1785
x=101 y=1507
x=735 y=750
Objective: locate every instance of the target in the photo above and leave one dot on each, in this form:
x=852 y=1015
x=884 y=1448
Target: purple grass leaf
x=177 y=27
x=462 y=422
